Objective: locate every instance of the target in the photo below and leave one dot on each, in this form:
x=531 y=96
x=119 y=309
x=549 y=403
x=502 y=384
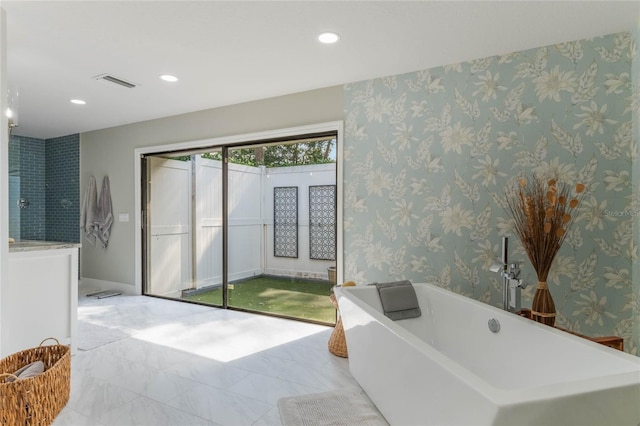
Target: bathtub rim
x=500 y=396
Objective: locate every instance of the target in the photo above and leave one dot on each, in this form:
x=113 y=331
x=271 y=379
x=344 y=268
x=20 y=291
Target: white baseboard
x=244 y=274
x=297 y=274
x=91 y=285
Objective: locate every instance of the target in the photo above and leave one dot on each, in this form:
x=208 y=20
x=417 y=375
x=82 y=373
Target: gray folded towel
x=399 y=300
x=28 y=371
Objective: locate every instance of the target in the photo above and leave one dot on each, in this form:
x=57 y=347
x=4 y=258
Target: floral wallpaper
x=428 y=156
x=635 y=105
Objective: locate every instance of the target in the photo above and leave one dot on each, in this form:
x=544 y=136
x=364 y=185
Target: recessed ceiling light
x=77 y=101
x=328 y=38
x=170 y=78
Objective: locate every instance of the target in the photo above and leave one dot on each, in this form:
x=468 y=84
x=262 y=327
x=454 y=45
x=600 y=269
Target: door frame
x=139 y=178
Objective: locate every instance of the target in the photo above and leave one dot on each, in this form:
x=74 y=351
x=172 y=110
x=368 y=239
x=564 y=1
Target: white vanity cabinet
x=40 y=299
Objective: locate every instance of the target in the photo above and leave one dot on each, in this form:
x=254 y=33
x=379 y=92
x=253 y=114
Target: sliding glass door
x=208 y=245
x=250 y=227
x=168 y=224
x=273 y=266
x=183 y=226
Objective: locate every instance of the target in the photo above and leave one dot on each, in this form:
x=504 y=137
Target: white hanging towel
x=88 y=210
x=104 y=214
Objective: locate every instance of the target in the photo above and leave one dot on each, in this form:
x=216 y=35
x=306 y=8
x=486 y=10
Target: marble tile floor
x=174 y=363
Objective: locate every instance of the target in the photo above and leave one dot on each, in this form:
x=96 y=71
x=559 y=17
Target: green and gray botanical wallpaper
x=635 y=105
x=428 y=156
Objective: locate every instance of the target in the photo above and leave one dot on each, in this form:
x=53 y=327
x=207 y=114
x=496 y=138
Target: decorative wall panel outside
x=285 y=221
x=428 y=156
x=322 y=222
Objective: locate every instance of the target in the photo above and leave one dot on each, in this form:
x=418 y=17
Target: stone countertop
x=30 y=245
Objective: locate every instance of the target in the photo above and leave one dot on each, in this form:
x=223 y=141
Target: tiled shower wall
x=48 y=172
x=428 y=155
x=63 y=188
x=14 y=188
x=30 y=156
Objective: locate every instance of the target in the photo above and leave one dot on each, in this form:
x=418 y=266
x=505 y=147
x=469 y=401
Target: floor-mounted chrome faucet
x=512 y=284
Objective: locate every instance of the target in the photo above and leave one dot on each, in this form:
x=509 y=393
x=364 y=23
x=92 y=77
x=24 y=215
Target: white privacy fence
x=255 y=228
x=302 y=178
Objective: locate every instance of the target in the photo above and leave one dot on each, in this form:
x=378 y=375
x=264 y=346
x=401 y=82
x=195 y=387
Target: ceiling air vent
x=115 y=80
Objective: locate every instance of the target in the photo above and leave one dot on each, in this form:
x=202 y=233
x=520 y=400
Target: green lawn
x=308 y=299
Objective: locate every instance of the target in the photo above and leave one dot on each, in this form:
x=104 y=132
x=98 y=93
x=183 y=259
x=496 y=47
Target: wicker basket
x=36 y=400
x=337 y=341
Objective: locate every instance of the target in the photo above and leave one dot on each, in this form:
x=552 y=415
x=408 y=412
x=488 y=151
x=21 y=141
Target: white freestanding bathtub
x=447 y=368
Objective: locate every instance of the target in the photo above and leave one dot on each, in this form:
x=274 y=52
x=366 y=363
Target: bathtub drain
x=494 y=325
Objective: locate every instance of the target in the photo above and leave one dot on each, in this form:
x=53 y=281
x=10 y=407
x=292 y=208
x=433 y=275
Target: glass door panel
x=184 y=227
x=272 y=266
x=169 y=221
x=208 y=230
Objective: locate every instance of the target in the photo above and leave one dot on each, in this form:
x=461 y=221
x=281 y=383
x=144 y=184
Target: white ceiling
x=235 y=51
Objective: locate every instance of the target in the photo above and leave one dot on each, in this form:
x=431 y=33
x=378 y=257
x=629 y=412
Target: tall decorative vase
x=542 y=211
x=542 y=308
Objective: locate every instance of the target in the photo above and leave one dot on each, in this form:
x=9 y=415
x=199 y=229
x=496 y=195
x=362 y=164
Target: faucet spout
x=514 y=285
x=511 y=282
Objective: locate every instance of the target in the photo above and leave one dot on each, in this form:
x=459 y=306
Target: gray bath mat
x=341 y=407
x=104 y=294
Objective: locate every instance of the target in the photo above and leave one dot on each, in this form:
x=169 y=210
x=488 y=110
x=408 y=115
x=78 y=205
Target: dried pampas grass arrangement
x=543 y=211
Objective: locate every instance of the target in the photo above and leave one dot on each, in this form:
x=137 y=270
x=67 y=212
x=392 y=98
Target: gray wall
x=111 y=152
